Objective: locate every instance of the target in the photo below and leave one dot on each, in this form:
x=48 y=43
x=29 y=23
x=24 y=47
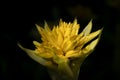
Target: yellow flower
x=63 y=44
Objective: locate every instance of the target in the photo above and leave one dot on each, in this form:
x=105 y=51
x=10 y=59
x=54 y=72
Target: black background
x=18 y=19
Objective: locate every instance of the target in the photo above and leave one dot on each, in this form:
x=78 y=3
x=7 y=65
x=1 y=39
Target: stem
x=66 y=70
x=62 y=74
x=58 y=76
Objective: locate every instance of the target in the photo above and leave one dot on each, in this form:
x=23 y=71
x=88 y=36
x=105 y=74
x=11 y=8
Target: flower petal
x=72 y=54
x=75 y=28
x=59 y=38
x=32 y=54
x=88 y=28
x=42 y=33
x=46 y=27
x=93 y=35
x=37 y=43
x=89 y=48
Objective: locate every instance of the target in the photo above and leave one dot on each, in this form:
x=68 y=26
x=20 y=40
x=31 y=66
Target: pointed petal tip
x=24 y=49
x=91 y=20
x=36 y=43
x=19 y=45
x=88 y=28
x=45 y=23
x=90 y=47
x=94 y=43
x=100 y=31
x=61 y=20
x=37 y=26
x=31 y=54
x=75 y=20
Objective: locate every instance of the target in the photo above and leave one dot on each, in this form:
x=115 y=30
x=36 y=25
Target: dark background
x=18 y=19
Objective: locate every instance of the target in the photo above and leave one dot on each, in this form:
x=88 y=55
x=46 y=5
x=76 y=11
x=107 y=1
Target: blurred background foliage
x=18 y=19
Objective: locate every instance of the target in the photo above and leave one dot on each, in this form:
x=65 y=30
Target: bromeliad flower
x=63 y=49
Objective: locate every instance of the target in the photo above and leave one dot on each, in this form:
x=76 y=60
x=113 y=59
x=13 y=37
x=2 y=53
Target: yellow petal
x=93 y=35
x=60 y=38
x=37 y=43
x=42 y=33
x=90 y=47
x=75 y=28
x=72 y=54
x=46 y=27
x=44 y=54
x=66 y=44
x=79 y=36
x=70 y=46
x=67 y=32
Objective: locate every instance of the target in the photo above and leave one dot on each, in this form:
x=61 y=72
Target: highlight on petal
x=93 y=35
x=91 y=46
x=95 y=42
x=88 y=28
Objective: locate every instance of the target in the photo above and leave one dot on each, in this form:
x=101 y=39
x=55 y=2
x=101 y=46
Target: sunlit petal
x=88 y=28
